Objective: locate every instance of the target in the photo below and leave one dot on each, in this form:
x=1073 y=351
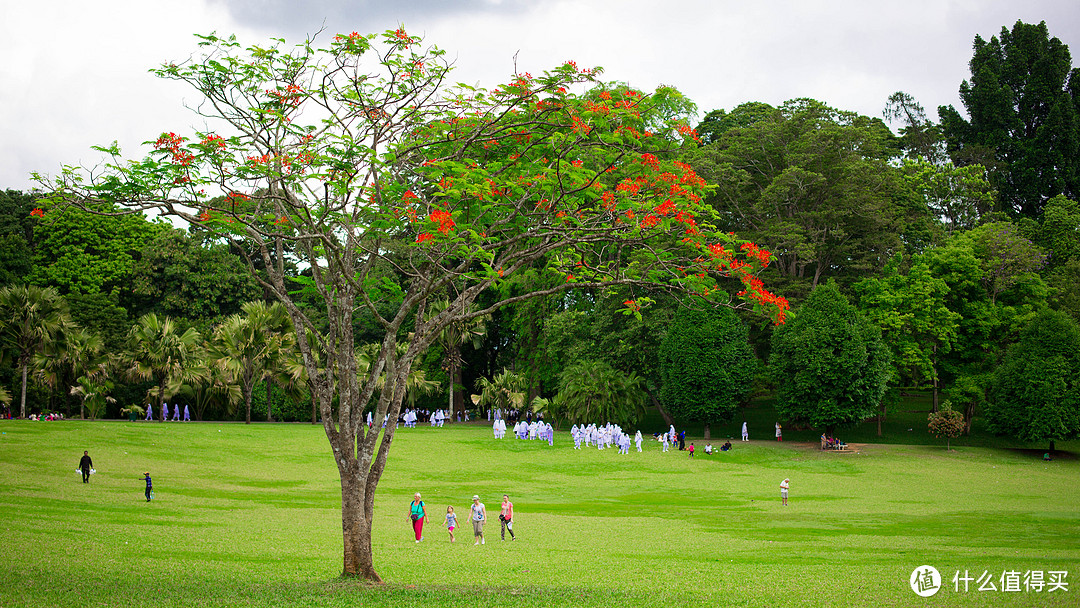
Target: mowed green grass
x=250 y=516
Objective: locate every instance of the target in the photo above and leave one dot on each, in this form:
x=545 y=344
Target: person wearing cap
x=149 y=485
x=479 y=516
x=783 y=491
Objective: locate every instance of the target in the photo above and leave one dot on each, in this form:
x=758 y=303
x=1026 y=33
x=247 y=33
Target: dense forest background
x=956 y=242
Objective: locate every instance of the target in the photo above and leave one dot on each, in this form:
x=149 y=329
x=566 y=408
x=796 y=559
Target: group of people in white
x=435 y=419
x=165 y=412
x=410 y=417
x=526 y=430
x=604 y=436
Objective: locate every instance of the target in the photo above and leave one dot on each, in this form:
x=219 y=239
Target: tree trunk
x=708 y=435
x=247 y=402
x=22 y=399
x=269 y=418
x=314 y=406
x=1051 y=447
x=933 y=366
x=458 y=394
x=881 y=417
x=356 y=531
x=668 y=420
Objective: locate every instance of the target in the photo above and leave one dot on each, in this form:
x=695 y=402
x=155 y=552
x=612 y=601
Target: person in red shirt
x=506 y=517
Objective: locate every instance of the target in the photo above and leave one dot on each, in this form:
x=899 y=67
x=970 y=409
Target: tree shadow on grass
x=1037 y=453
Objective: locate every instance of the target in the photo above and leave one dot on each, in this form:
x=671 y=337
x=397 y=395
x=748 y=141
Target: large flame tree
x=362 y=164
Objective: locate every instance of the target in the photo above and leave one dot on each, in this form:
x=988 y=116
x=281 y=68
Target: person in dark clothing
x=682 y=440
x=149 y=485
x=85 y=465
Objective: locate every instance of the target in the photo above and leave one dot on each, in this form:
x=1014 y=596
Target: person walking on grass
x=783 y=492
x=416 y=515
x=506 y=518
x=691 y=448
x=85 y=464
x=745 y=432
x=451 y=521
x=149 y=486
x=779 y=435
x=478 y=517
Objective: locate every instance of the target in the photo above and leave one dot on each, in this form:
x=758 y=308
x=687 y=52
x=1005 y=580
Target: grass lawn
x=249 y=516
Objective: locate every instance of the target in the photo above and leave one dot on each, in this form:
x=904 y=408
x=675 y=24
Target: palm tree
x=253 y=346
x=505 y=390
x=416 y=383
x=451 y=339
x=94 y=394
x=593 y=391
x=158 y=352
x=64 y=361
x=212 y=384
x=30 y=319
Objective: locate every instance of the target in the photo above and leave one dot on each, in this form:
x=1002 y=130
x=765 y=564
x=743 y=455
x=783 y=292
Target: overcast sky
x=74 y=74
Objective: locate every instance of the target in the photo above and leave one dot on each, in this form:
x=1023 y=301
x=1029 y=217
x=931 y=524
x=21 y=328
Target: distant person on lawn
x=85 y=464
x=745 y=433
x=149 y=485
x=783 y=491
x=779 y=435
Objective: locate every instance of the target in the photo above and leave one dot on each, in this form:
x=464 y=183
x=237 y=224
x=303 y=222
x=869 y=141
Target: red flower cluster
x=685 y=129
x=290 y=96
x=38 y=212
x=756 y=290
x=423 y=237
x=216 y=140
x=650 y=160
x=608 y=200
x=235 y=197
x=666 y=207
x=752 y=251
x=444 y=219
x=172 y=142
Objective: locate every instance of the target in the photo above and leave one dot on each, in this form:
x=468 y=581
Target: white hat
x=475 y=497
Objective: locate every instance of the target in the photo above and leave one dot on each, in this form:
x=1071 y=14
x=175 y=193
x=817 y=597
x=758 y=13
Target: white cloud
x=75 y=73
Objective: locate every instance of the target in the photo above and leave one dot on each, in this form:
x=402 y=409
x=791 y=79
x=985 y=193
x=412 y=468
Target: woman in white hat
x=478 y=517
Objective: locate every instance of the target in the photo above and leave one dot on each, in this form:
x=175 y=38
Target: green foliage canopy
x=1036 y=392
x=829 y=362
x=706 y=364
